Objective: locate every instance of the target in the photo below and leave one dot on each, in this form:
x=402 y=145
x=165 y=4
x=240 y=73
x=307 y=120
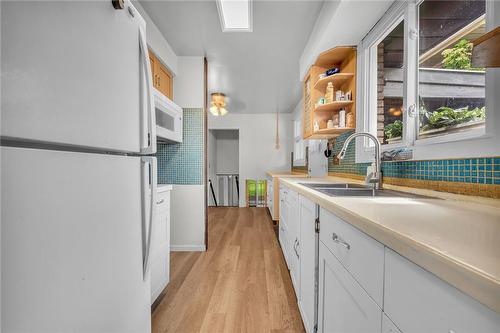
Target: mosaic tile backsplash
x=467 y=170
x=183 y=163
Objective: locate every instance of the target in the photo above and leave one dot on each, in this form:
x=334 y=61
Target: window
x=390 y=60
x=298 y=144
x=418 y=87
x=451 y=93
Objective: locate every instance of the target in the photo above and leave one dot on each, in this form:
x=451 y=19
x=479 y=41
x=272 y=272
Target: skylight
x=235 y=15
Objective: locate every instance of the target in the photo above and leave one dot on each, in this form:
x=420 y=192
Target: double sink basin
x=357 y=190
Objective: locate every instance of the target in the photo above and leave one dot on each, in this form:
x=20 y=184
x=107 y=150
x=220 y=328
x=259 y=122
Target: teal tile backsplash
x=466 y=170
x=183 y=163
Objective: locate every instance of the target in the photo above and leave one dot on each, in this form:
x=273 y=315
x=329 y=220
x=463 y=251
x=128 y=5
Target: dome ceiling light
x=218 y=104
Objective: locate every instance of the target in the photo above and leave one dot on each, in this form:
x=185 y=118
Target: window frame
x=298 y=142
x=475 y=142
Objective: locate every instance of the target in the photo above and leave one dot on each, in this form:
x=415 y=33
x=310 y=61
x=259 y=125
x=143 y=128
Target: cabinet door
x=307 y=248
x=293 y=222
x=418 y=301
x=164 y=81
x=344 y=306
x=160 y=251
x=270 y=195
x=284 y=241
x=153 y=61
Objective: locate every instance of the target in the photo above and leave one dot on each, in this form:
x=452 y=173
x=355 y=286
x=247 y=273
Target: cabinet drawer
x=163 y=202
x=418 y=301
x=360 y=254
x=344 y=307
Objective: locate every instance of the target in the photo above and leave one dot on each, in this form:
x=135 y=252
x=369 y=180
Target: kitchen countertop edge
x=471 y=280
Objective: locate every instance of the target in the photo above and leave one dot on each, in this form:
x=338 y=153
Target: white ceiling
x=259 y=70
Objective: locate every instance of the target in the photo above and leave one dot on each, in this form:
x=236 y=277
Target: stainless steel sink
x=319 y=186
x=358 y=190
x=368 y=192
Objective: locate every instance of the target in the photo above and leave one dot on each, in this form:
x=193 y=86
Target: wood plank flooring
x=241 y=284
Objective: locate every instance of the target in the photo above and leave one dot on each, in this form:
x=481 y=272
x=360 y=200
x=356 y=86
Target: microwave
x=168 y=119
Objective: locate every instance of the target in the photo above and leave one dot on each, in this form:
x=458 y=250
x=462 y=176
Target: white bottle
x=342 y=118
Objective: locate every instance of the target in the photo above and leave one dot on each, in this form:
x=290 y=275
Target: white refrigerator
x=78 y=179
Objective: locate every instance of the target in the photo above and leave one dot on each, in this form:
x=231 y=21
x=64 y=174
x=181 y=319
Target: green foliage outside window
x=394 y=130
x=459 y=56
x=445 y=117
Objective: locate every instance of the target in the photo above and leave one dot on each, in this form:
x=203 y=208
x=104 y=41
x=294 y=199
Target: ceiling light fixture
x=218 y=104
x=235 y=15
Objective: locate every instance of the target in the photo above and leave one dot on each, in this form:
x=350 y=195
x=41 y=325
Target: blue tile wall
x=466 y=170
x=183 y=163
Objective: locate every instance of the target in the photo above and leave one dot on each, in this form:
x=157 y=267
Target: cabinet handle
x=160 y=201
x=295 y=248
x=340 y=241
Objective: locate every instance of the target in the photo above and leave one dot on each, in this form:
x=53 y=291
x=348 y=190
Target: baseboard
x=195 y=248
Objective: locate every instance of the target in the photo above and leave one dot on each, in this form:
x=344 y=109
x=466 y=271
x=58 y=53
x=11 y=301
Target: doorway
x=223 y=168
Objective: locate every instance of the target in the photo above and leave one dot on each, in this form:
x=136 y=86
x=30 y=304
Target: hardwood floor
x=241 y=284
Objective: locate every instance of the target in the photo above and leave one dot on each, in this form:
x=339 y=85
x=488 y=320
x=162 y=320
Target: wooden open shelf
x=334 y=56
x=343 y=57
x=337 y=79
x=333 y=106
x=330 y=133
x=486 y=50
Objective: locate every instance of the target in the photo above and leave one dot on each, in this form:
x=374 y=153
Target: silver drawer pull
x=160 y=201
x=340 y=241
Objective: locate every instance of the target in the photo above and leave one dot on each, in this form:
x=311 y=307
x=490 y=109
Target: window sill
x=477 y=133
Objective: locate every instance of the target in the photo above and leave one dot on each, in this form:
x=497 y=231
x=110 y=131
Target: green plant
x=394 y=130
x=445 y=116
x=459 y=56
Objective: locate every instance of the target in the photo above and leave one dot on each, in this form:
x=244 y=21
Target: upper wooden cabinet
x=162 y=78
x=315 y=86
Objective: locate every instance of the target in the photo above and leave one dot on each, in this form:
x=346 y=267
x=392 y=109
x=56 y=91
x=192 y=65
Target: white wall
x=223 y=158
x=157 y=42
x=188 y=201
x=187 y=218
x=212 y=165
x=189 y=82
x=334 y=27
x=227 y=151
x=257 y=153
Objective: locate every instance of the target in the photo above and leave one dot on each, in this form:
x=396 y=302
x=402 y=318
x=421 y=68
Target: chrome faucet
x=374 y=178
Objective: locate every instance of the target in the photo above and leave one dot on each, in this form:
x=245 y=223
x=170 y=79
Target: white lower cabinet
x=363 y=286
x=344 y=306
x=160 y=248
x=418 y=301
x=307 y=217
x=270 y=196
x=283 y=234
x=292 y=202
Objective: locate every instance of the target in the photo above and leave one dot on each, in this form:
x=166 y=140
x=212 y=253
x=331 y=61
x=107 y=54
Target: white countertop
x=457 y=239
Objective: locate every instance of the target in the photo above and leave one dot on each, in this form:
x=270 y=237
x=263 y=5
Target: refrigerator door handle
x=149 y=189
x=150 y=147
